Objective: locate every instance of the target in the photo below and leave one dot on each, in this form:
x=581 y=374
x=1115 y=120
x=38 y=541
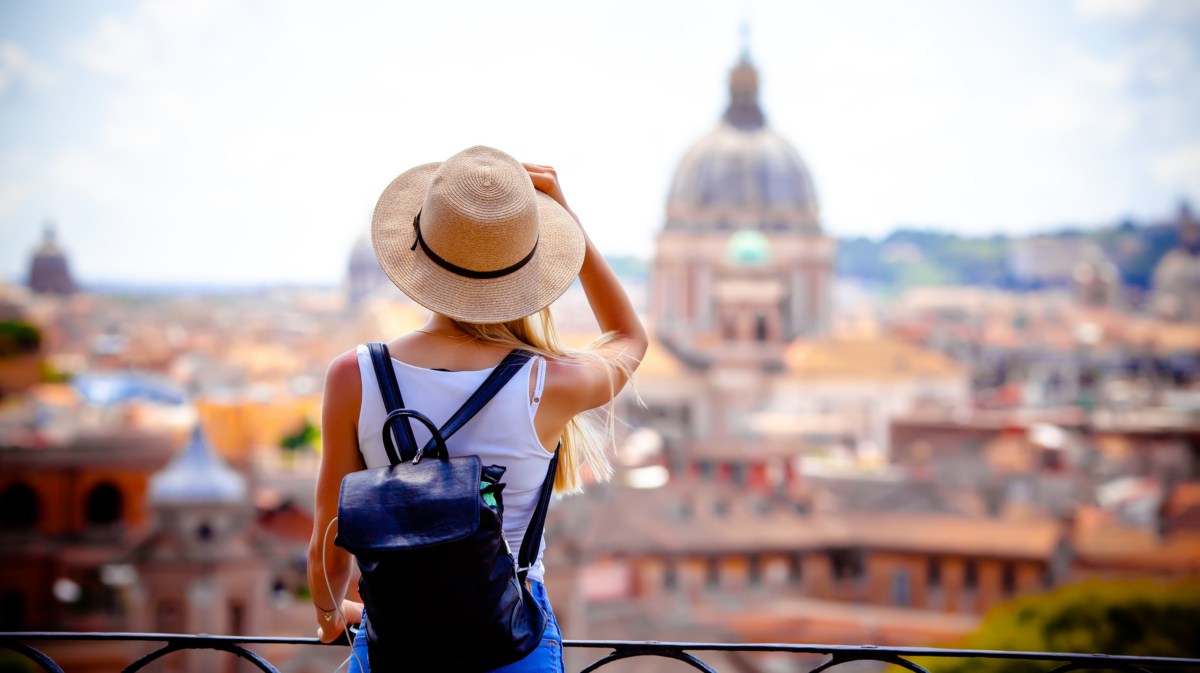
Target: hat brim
x=554 y=266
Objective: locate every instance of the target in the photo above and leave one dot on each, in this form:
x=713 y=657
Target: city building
x=1177 y=276
x=717 y=528
x=203 y=568
x=48 y=270
x=741 y=266
x=364 y=276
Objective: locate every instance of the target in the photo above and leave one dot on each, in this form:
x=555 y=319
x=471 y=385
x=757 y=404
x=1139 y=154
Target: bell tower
x=202 y=569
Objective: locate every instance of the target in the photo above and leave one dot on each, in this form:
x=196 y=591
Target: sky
x=227 y=142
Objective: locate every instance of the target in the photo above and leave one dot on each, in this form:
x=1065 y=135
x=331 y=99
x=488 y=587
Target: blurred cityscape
x=854 y=441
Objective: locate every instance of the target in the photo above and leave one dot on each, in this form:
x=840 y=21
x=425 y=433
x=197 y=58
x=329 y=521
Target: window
x=12 y=611
x=18 y=507
x=729 y=329
x=738 y=474
x=971 y=575
x=683 y=511
x=795 y=568
x=105 y=506
x=1008 y=579
x=847 y=565
x=760 y=328
x=901 y=588
x=933 y=573
x=670 y=575
x=237 y=618
x=713 y=578
x=168 y=616
x=754 y=571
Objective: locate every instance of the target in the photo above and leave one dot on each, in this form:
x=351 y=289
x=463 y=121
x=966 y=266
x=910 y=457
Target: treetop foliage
x=1124 y=617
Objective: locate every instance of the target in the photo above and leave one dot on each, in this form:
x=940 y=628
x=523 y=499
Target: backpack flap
x=408 y=506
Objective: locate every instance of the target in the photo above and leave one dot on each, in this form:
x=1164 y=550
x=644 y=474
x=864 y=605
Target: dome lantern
x=743 y=111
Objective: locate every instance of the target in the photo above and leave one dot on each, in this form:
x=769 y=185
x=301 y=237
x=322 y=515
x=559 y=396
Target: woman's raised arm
x=592 y=386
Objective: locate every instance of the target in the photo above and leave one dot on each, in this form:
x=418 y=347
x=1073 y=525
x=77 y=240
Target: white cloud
x=12 y=196
x=17 y=66
x=81 y=174
x=1179 y=168
x=134 y=45
x=113 y=48
x=1109 y=9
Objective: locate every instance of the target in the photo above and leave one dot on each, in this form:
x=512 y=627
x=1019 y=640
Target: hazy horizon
x=227 y=143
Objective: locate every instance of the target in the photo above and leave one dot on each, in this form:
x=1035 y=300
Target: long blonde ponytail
x=584 y=442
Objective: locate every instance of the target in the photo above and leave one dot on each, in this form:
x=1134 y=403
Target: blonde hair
x=584 y=441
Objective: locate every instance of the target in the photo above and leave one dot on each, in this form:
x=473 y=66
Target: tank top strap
x=540 y=363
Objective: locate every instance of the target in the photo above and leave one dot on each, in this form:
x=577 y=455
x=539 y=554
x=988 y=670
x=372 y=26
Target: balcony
x=608 y=651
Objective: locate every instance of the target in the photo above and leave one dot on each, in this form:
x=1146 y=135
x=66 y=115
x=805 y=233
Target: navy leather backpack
x=441 y=588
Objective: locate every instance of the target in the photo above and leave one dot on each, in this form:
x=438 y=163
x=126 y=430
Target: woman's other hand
x=353 y=612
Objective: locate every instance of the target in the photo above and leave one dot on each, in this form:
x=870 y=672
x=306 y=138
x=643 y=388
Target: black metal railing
x=619 y=649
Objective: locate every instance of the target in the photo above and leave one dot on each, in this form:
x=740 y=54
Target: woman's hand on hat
x=545 y=179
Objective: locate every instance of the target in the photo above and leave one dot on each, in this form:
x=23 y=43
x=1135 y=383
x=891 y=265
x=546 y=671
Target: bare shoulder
x=343 y=384
x=572 y=371
x=576 y=384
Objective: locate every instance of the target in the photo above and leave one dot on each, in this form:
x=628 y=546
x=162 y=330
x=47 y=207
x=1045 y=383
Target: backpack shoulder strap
x=537 y=522
x=389 y=388
x=499 y=376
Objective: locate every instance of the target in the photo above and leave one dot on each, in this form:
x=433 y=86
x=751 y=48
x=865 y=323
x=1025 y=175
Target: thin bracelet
x=328 y=613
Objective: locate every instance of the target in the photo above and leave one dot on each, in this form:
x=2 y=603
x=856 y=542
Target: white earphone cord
x=337 y=604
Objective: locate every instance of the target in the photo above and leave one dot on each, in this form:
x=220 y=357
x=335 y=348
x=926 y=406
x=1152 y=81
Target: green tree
x=1127 y=617
x=307 y=436
x=18 y=338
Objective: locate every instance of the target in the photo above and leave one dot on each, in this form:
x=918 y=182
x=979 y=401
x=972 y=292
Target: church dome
x=197 y=477
x=1177 y=276
x=48 y=270
x=742 y=168
x=364 y=275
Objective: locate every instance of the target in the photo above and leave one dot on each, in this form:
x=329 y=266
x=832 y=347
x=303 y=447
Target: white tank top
x=502 y=433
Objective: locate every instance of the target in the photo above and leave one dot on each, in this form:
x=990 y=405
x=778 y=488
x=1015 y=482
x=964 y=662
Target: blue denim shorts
x=547 y=658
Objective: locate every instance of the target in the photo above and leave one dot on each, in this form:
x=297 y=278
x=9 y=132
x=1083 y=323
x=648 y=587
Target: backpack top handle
x=438 y=442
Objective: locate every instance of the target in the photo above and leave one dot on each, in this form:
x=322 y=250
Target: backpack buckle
x=417 y=458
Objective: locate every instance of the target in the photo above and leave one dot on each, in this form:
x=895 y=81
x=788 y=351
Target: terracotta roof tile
x=684 y=520
x=874 y=359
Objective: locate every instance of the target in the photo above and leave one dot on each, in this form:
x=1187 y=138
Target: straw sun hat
x=471 y=238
